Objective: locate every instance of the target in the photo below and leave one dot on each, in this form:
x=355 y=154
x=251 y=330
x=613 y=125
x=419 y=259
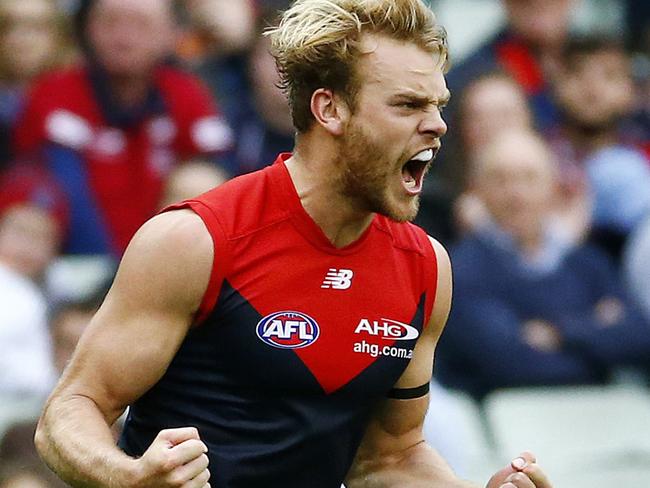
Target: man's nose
x=433 y=124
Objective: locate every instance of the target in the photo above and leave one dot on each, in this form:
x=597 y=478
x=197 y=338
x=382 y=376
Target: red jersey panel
x=296 y=340
x=262 y=262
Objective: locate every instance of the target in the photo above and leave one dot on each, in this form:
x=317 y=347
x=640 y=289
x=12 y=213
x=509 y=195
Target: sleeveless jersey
x=295 y=342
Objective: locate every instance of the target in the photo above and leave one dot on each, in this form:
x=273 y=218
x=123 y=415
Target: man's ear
x=330 y=111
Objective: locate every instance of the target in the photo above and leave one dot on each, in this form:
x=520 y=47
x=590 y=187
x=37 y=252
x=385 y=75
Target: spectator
x=221 y=50
x=32 y=41
x=263 y=124
x=33 y=219
x=497 y=97
x=492 y=96
x=190 y=180
x=219 y=28
x=114 y=126
x=245 y=82
x=68 y=320
x=527 y=49
x=530 y=309
x=32 y=213
x=595 y=92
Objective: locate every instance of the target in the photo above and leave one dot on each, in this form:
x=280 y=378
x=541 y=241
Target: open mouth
x=414 y=170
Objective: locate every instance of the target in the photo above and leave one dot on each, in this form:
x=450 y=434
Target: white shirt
x=26 y=366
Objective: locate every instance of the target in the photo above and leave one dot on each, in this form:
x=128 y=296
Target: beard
x=364 y=177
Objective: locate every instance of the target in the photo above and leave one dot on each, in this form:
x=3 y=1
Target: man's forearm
x=75 y=440
x=418 y=467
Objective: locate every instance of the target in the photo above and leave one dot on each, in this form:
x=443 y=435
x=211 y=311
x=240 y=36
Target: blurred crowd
x=112 y=109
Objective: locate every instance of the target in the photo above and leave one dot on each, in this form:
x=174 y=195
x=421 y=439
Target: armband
x=409 y=393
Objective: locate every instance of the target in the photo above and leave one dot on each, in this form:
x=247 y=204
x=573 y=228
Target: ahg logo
x=288 y=330
x=387 y=329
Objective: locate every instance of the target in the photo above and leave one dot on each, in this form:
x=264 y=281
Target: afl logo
x=288 y=330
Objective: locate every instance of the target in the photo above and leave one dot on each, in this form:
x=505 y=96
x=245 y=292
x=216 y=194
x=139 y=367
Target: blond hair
x=317 y=44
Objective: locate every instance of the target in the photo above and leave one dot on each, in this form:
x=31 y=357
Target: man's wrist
x=128 y=473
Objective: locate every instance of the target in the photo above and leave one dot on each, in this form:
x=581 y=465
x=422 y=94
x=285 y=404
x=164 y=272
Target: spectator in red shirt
x=113 y=127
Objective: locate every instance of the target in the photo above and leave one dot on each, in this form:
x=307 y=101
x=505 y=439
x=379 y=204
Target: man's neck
x=129 y=91
x=337 y=216
x=590 y=140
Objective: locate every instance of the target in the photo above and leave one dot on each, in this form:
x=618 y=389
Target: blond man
x=280 y=329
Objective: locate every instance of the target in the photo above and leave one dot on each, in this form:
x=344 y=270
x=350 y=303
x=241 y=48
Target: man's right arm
x=125 y=350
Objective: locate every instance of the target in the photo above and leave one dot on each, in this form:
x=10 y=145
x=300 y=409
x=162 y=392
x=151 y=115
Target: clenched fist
x=523 y=472
x=176 y=459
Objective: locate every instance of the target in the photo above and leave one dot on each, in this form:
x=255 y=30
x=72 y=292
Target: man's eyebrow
x=416 y=96
x=444 y=100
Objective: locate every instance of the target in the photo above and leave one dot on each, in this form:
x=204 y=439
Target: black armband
x=409 y=393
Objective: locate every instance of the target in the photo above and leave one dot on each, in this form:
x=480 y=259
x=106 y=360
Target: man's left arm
x=393 y=452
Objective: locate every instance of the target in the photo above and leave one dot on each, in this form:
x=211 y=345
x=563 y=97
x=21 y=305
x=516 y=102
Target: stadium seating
x=13 y=410
x=585 y=437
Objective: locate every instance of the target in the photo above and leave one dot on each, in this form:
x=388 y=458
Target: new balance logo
x=339 y=279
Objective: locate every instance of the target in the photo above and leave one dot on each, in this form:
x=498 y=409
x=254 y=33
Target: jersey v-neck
x=301 y=220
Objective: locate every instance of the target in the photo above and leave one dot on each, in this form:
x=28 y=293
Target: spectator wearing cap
x=114 y=127
x=33 y=217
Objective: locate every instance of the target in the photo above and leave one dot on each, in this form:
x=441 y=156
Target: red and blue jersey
x=295 y=341
x=112 y=163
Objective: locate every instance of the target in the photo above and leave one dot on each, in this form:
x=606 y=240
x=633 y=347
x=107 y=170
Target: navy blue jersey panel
x=266 y=420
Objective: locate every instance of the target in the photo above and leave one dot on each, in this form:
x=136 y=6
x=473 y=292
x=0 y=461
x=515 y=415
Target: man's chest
x=292 y=315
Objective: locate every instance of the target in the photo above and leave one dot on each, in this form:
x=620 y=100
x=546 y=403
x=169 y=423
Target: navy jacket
x=483 y=348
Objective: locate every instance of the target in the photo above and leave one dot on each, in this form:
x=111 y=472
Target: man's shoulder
x=245 y=203
x=160 y=238
x=238 y=186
